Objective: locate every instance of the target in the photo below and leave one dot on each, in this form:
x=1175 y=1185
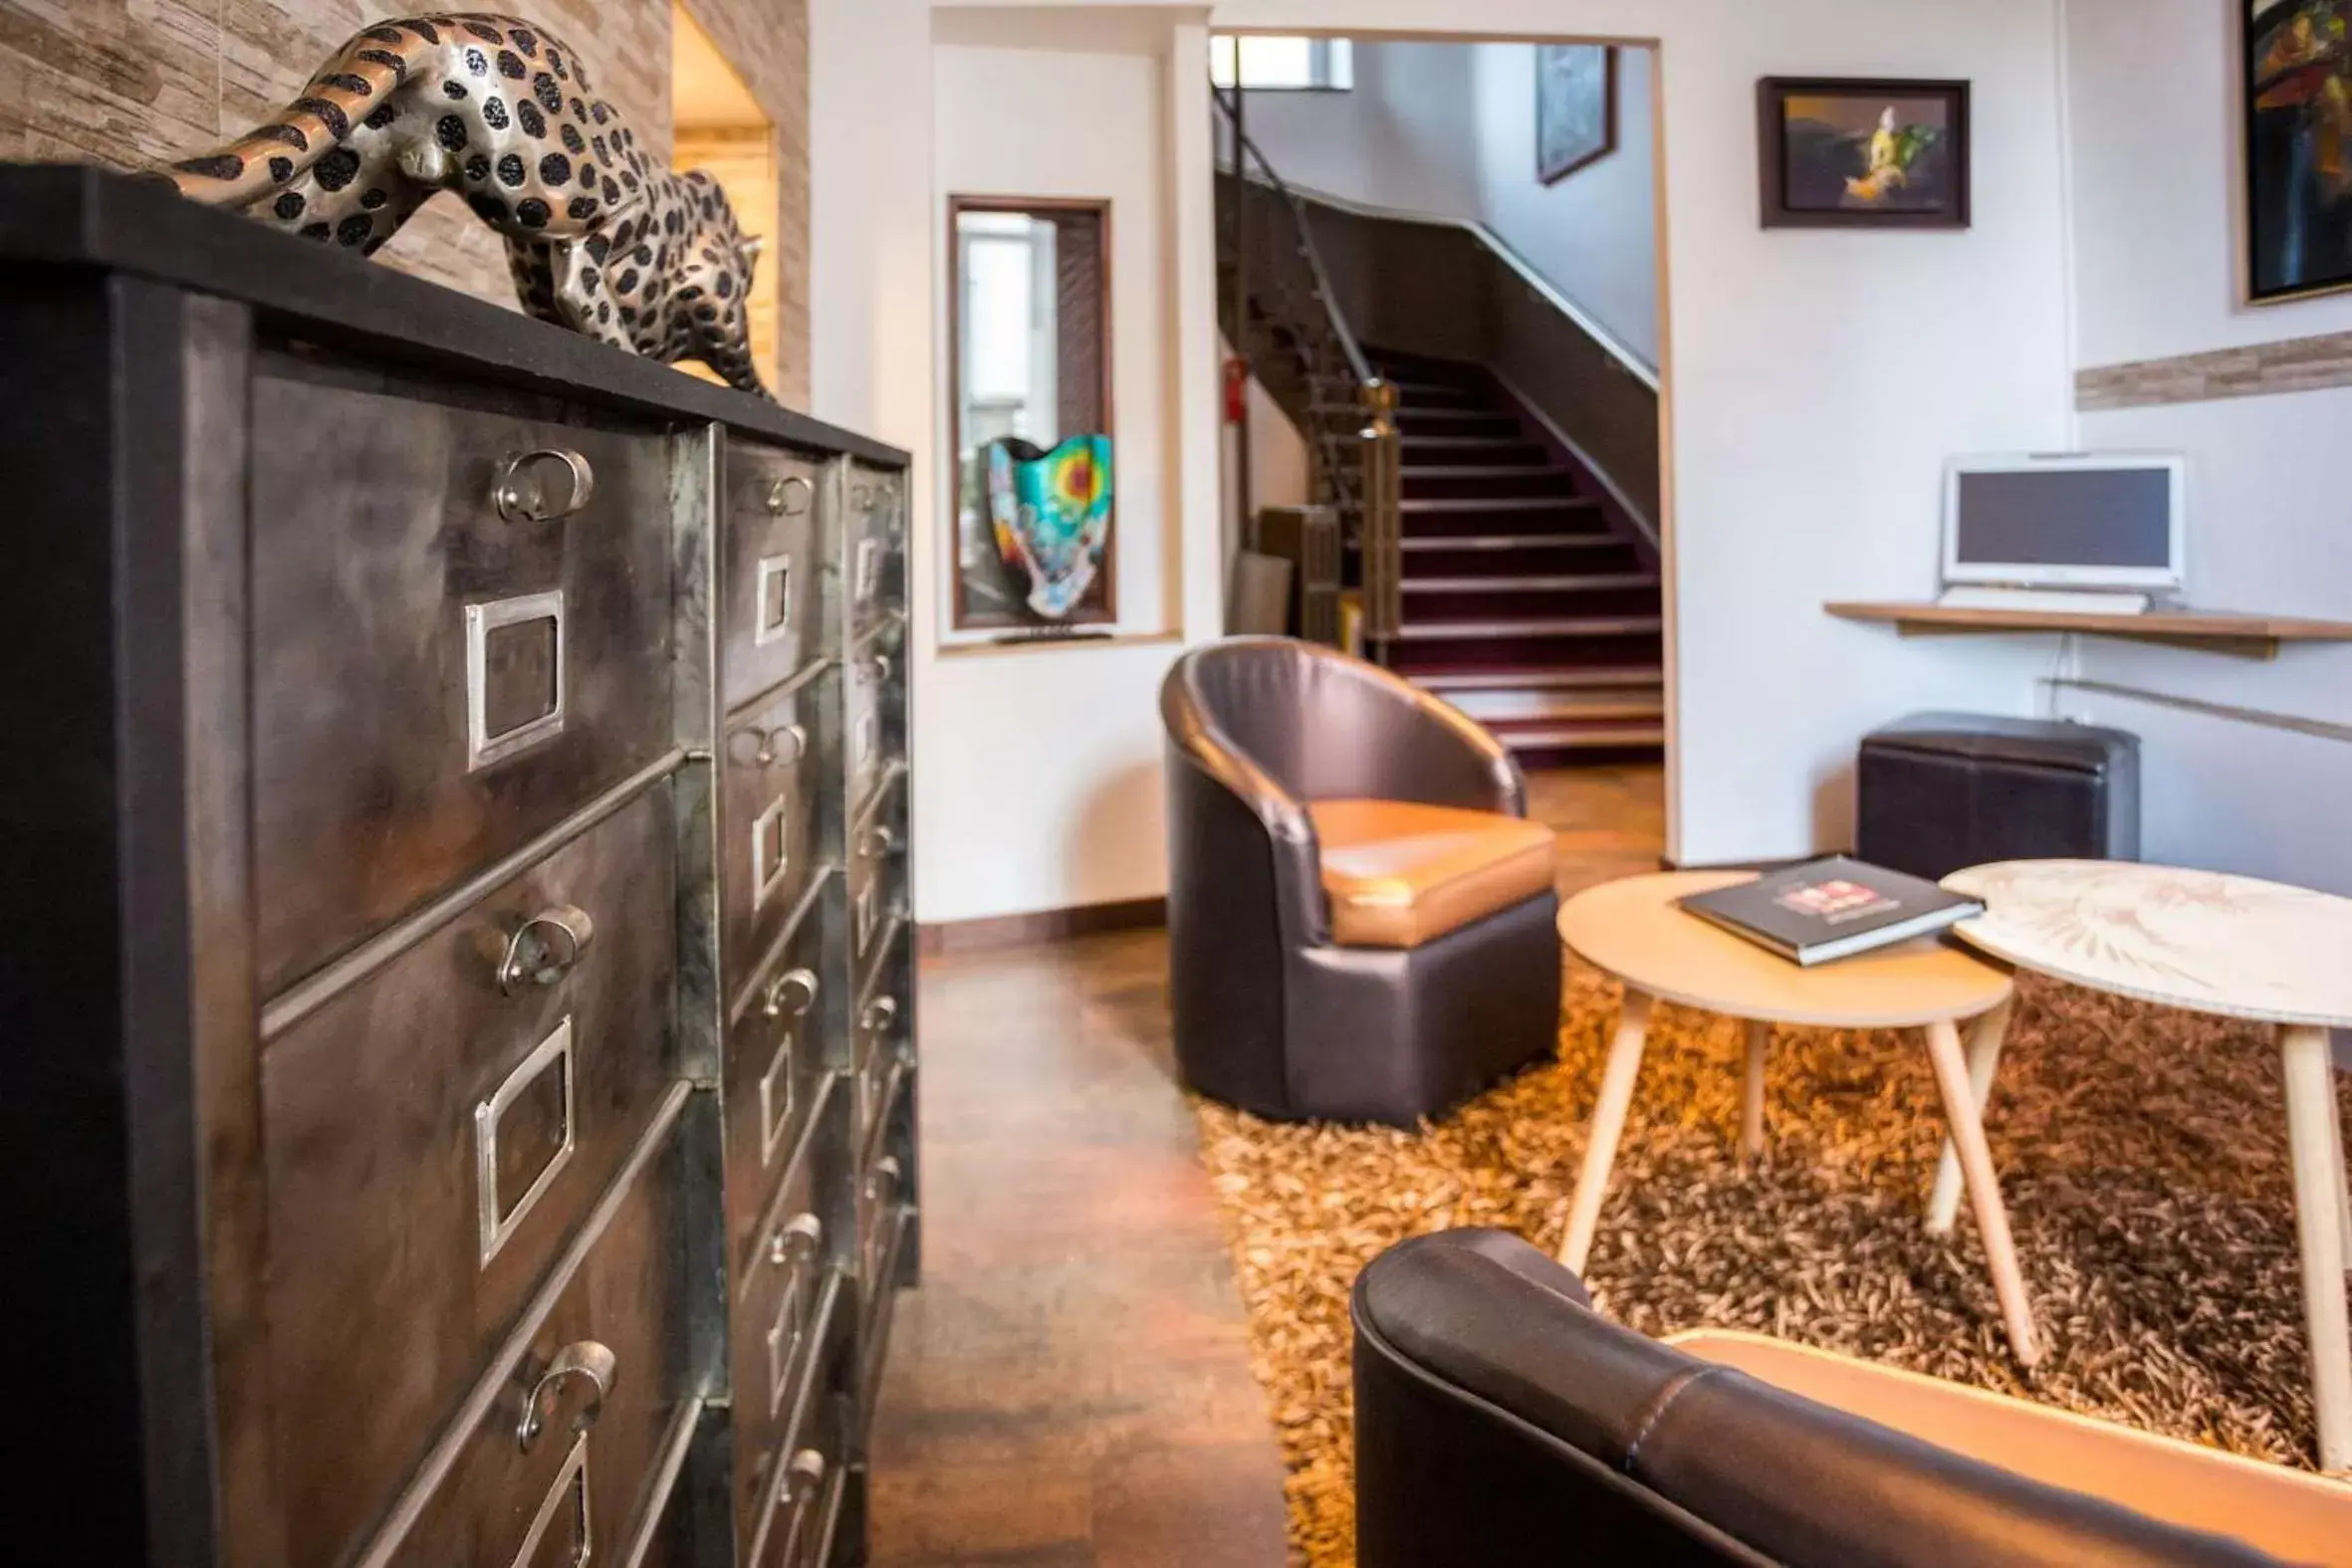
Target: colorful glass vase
x=1050 y=512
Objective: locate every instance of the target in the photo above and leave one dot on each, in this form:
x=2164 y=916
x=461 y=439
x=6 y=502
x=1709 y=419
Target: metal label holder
x=769 y=862
x=497 y=1226
x=773 y=586
x=776 y=1098
x=570 y=1488
x=482 y=747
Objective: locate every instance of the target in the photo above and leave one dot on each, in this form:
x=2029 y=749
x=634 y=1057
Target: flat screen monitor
x=2082 y=521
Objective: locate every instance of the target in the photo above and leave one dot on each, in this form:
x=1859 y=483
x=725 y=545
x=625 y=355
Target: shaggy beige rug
x=2142 y=1153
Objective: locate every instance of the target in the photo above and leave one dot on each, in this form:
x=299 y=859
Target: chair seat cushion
x=1399 y=874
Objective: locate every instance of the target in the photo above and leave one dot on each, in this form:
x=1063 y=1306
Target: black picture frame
x=2296 y=238
x=1813 y=185
x=1554 y=164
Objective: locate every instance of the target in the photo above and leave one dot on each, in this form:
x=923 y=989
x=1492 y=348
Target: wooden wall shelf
x=2233 y=632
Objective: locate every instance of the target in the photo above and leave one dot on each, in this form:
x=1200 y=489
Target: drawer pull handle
x=584 y=1358
x=803 y=1474
x=803 y=1235
x=790 y=496
x=796 y=742
x=880 y=1011
x=877 y=843
x=862 y=496
x=794 y=992
x=522 y=496
x=545 y=948
x=884 y=1180
x=881 y=666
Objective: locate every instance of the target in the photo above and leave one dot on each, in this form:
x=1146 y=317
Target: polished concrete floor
x=1072 y=1383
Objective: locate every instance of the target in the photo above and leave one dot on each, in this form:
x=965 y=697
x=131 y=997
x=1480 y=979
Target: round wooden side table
x=2233 y=946
x=1632 y=929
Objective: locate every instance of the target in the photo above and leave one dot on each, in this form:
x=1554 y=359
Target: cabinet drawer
x=777 y=1051
x=885 y=1202
x=433 y=1136
x=875 y=572
x=874 y=715
x=770 y=572
x=552 y=1469
x=878 y=1040
x=785 y=1318
x=878 y=872
x=774 y=763
x=463 y=639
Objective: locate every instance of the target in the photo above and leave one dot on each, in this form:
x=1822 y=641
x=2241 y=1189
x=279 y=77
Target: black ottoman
x=1942 y=791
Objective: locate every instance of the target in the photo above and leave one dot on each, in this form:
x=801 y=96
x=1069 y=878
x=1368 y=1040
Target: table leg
x=1752 y=1128
x=1609 y=1122
x=2335 y=1124
x=1985 y=1040
x=1975 y=1163
x=2314 y=1136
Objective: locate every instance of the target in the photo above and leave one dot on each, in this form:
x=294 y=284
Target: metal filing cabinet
x=464 y=866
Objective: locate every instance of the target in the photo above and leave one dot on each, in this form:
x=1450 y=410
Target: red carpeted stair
x=1527 y=602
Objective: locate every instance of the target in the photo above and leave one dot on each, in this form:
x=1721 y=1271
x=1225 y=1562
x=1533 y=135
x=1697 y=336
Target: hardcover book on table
x=1831 y=909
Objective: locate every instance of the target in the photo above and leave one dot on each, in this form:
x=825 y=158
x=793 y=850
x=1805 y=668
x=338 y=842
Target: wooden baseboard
x=1046 y=925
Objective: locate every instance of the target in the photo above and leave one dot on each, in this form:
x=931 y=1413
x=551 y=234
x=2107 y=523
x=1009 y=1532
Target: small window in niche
x=719 y=127
x=1281 y=63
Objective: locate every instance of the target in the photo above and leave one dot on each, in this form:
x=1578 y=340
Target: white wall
x=2153 y=141
x=1404 y=136
x=1037 y=772
x=1087 y=125
x=1819 y=381
x=1450 y=129
x=1595 y=234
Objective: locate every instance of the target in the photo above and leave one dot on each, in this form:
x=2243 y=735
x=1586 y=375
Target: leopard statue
x=601 y=238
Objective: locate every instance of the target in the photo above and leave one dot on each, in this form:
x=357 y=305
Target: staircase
x=1524 y=605
x=1493 y=566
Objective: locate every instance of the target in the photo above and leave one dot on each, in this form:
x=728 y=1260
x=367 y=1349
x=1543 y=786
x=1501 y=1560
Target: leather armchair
x=1500 y=1421
x=1272 y=1013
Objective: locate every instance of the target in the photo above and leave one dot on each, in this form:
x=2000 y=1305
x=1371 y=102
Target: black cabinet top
x=68 y=215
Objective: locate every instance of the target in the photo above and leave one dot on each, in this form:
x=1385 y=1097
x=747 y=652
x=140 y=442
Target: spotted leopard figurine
x=601 y=238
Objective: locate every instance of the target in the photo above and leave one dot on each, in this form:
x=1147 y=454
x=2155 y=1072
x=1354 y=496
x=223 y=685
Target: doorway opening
x=1441 y=267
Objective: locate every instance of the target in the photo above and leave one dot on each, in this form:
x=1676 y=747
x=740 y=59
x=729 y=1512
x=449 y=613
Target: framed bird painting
x=1846 y=153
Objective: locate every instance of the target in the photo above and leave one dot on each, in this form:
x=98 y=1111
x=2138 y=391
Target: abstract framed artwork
x=2298 y=75
x=1029 y=317
x=1575 y=107
x=1859 y=153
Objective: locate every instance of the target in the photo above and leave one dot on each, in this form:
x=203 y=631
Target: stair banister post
x=1382 y=491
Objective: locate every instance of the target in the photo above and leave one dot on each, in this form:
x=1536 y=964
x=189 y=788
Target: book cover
x=1831 y=909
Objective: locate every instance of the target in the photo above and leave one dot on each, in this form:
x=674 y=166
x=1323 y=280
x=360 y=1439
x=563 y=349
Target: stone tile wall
x=136 y=82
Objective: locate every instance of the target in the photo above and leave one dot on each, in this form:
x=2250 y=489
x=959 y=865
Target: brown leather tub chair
x=1500 y=1420
x=1359 y=914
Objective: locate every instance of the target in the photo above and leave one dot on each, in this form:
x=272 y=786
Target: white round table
x=2237 y=948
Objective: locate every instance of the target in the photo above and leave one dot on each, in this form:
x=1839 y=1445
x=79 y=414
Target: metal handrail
x=1357 y=365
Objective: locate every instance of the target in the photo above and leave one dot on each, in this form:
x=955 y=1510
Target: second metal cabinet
x=812 y=842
